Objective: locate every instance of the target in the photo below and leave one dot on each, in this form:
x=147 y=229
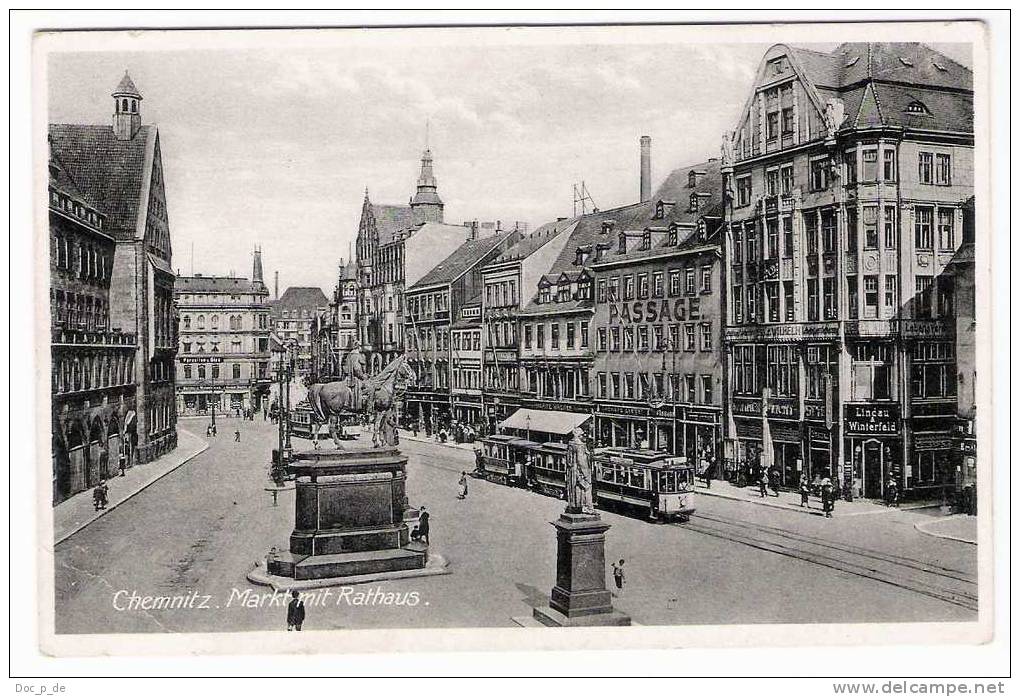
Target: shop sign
x=932 y=441
x=208 y=359
x=815 y=412
x=926 y=329
x=699 y=416
x=622 y=410
x=655 y=311
x=784 y=332
x=872 y=419
x=933 y=409
x=779 y=407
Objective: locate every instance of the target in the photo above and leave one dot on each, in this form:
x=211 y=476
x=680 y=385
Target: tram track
x=935 y=581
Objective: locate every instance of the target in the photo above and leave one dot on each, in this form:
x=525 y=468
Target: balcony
x=75 y=336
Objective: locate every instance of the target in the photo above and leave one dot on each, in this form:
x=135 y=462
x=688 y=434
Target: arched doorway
x=97 y=457
x=62 y=479
x=76 y=457
x=113 y=445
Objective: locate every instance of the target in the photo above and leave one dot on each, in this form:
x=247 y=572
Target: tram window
x=637 y=477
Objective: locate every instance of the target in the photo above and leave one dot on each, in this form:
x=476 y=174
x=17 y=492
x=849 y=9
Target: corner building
x=845 y=182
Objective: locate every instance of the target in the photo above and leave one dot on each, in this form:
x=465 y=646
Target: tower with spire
x=127 y=112
x=426 y=204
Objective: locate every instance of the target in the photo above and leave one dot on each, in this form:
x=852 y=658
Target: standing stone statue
x=580 y=478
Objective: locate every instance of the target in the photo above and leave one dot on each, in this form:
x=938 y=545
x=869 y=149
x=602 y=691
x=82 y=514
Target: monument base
x=580 y=597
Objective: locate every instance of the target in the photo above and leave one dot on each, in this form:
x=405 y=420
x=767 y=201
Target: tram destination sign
x=872 y=419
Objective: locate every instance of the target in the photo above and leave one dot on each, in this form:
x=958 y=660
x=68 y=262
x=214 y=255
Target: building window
x=642 y=286
x=787 y=180
x=584 y=335
x=947 y=240
x=706 y=279
x=811 y=232
x=870 y=227
x=889 y=165
x=871 y=369
x=744 y=370
x=788 y=121
x=215 y=372
x=738 y=247
x=828 y=231
x=706 y=336
x=603 y=385
x=600 y=338
x=850 y=160
x=933 y=370
x=821 y=361
x=787 y=236
x=689 y=281
x=600 y=290
x=657 y=284
x=614 y=339
x=812 y=300
x=658 y=340
x=688 y=337
x=614 y=289
x=642 y=338
x=829 y=297
x=628 y=287
x=752 y=304
x=943 y=170
x=871 y=297
x=236 y=371
x=851 y=290
x=540 y=337
x=571 y=334
x=889 y=222
x=771 y=182
x=819 y=169
x=738 y=305
x=563 y=293
x=772 y=125
x=628 y=338
x=772 y=238
x=690 y=390
x=869 y=164
x=890 y=293
x=924 y=168
x=629 y=383
x=615 y=379
x=923 y=235
x=744 y=191
x=788 y=300
x=674 y=282
x=771 y=290
x=781 y=370
x=527 y=336
x=923 y=286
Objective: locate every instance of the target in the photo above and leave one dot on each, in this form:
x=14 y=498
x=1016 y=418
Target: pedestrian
x=100 y=496
x=804 y=491
x=295 y=612
x=774 y=481
x=414 y=429
x=763 y=482
x=423 y=525
x=709 y=473
x=892 y=493
x=214 y=430
x=827 y=497
x=618 y=578
x=479 y=465
x=463 y=486
x=123 y=463
x=208 y=431
x=237 y=435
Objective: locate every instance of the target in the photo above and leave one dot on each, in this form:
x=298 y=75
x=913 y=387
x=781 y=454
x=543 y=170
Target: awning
x=545 y=421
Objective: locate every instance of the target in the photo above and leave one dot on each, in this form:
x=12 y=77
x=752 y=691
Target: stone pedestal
x=348 y=517
x=580 y=597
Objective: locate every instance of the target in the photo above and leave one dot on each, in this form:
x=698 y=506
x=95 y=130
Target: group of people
x=457 y=431
x=101 y=496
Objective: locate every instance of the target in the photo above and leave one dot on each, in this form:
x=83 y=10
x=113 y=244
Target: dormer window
x=941 y=68
x=702 y=230
x=673 y=235
x=659 y=210
x=692 y=180
x=694 y=203
x=563 y=292
x=916 y=107
x=622 y=248
x=906 y=63
x=607 y=227
x=646 y=240
x=544 y=294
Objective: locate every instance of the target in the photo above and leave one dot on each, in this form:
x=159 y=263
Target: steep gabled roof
x=903 y=63
x=538 y=238
x=462 y=260
x=216 y=284
x=110 y=172
x=300 y=298
x=389 y=220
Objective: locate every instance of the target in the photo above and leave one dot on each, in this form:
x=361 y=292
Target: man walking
x=237 y=435
x=463 y=486
x=295 y=612
x=805 y=490
x=618 y=578
x=827 y=497
x=763 y=482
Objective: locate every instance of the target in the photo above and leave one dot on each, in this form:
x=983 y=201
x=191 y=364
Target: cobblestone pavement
x=196 y=532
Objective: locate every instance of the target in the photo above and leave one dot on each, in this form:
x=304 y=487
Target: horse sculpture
x=358 y=394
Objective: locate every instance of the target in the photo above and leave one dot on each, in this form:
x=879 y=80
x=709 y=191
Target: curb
x=783 y=507
x=920 y=527
x=455 y=446
x=75 y=531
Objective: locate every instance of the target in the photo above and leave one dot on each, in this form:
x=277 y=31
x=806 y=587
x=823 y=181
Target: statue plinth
x=580 y=597
x=348 y=516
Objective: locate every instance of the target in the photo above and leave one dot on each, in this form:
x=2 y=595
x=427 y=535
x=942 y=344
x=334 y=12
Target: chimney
x=276 y=285
x=646 y=168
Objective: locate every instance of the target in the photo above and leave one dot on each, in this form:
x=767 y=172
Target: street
x=200 y=528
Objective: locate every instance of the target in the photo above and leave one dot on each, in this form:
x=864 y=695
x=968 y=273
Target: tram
x=649 y=483
x=302 y=424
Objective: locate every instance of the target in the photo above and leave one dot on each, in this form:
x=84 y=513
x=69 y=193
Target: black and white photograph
x=548 y=332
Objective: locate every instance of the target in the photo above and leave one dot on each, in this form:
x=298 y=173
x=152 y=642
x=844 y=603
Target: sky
x=275 y=148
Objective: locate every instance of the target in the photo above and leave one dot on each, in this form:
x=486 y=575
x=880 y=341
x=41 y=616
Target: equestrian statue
x=358 y=393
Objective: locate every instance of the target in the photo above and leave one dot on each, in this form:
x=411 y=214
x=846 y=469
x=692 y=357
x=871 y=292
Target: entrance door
x=873 y=470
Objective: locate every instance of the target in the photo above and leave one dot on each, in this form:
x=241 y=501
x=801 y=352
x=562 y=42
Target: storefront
x=873 y=446
x=467 y=408
x=691 y=431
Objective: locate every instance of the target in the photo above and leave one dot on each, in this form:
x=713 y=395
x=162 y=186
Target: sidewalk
x=959 y=527
x=788 y=500
x=407 y=435
x=75 y=513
